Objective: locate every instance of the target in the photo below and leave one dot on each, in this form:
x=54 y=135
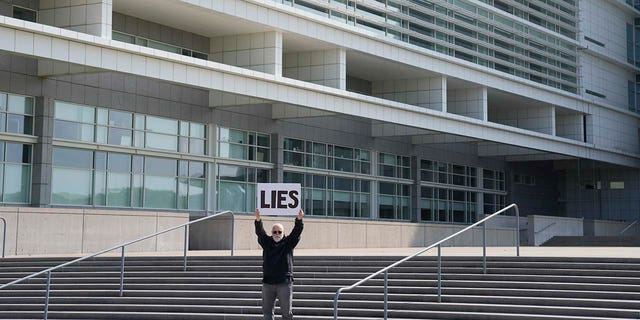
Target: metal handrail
x=122 y=246
x=545 y=228
x=437 y=244
x=628 y=227
x=4 y=234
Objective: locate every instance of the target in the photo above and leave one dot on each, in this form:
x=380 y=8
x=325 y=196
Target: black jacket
x=277 y=257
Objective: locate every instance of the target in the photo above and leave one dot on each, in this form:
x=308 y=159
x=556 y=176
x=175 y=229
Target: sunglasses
x=276 y=232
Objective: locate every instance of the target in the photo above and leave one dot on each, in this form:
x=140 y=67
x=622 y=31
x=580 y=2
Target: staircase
x=228 y=288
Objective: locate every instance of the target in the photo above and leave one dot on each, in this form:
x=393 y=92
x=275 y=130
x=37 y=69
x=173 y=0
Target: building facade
x=120 y=117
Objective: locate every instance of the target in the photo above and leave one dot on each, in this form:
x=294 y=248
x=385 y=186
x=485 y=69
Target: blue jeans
x=284 y=293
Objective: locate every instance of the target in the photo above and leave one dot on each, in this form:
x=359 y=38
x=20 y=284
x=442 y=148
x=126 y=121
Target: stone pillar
x=429 y=93
x=326 y=67
x=89 y=16
x=468 y=102
x=257 y=51
x=42 y=152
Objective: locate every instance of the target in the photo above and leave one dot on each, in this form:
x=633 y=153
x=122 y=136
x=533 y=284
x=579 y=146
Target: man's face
x=277 y=233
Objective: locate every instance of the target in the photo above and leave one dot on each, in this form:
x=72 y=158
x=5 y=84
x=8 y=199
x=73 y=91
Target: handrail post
x=122 y=272
x=515 y=206
x=386 y=292
x=4 y=234
x=335 y=305
x=184 y=257
x=439 y=274
x=233 y=232
x=46 y=297
x=484 y=247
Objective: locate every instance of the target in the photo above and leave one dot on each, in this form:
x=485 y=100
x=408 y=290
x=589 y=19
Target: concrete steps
x=593 y=241
x=229 y=288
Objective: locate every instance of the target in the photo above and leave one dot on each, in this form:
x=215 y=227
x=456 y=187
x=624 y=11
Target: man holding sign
x=277 y=249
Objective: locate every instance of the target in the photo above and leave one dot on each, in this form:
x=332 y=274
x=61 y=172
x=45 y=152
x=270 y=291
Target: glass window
x=394 y=201
x=159 y=191
x=160 y=167
x=72 y=158
x=322 y=156
x=76 y=193
x=74 y=112
x=162 y=125
x=120 y=119
x=17 y=183
x=394 y=166
x=236 y=187
x=232 y=196
x=245 y=145
x=16 y=113
x=161 y=141
x=118 y=189
x=25 y=14
x=85 y=123
x=332 y=196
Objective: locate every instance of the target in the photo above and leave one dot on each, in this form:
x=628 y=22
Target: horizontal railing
x=437 y=244
x=121 y=247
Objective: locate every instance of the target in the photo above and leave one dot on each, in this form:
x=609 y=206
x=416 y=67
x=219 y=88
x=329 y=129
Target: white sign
x=278 y=199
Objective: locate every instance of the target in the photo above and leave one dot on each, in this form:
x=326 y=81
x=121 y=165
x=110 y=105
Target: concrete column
x=42 y=152
x=326 y=67
x=89 y=16
x=428 y=93
x=468 y=102
x=257 y=51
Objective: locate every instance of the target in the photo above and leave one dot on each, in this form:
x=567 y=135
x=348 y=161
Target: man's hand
x=258 y=214
x=300 y=214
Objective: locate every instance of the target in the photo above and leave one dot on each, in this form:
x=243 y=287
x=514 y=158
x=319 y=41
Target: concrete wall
x=609 y=228
x=428 y=93
x=606 y=23
x=470 y=102
x=327 y=233
x=325 y=67
x=585 y=188
x=71 y=231
x=540 y=198
x=615 y=131
x=88 y=16
x=543 y=228
x=257 y=51
x=6 y=6
x=155 y=31
x=539 y=118
x=570 y=125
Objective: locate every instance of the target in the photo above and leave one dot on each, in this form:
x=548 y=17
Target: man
x=277 y=264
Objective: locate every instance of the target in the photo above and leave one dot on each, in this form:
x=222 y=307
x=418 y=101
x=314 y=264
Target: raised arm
x=262 y=235
x=294 y=237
